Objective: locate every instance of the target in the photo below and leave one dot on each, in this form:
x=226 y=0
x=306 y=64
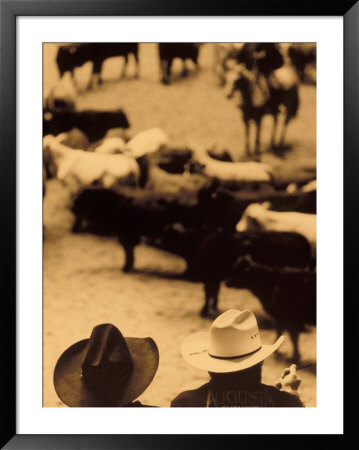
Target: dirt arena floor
x=83 y=282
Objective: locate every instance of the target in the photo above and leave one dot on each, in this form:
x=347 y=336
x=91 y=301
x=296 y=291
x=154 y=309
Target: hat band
x=235 y=357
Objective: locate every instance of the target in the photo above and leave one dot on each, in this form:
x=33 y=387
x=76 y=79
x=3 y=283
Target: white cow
x=111 y=146
x=248 y=171
x=258 y=217
x=79 y=169
x=147 y=141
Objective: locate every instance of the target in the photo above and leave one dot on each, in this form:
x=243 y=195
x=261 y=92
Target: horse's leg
x=286 y=119
x=283 y=134
x=258 y=134
x=248 y=147
x=274 y=131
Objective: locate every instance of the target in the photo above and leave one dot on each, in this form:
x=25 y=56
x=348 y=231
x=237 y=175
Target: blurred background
x=149 y=167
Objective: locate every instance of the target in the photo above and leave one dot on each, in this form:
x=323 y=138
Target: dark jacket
x=254 y=395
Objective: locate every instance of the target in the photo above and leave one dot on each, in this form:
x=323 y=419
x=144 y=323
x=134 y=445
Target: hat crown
x=107 y=361
x=234 y=334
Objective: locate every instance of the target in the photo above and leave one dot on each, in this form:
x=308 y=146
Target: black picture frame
x=9 y=10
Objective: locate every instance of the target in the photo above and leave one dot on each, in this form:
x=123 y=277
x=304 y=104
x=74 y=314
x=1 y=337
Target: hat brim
x=194 y=351
x=73 y=392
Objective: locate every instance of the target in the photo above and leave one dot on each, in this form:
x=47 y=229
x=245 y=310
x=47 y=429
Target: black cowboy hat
x=105 y=370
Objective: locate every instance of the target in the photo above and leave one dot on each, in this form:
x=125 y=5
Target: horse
x=272 y=92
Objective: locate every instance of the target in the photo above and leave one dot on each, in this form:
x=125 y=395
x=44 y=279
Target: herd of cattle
x=232 y=222
x=71 y=56
x=301 y=56
x=266 y=76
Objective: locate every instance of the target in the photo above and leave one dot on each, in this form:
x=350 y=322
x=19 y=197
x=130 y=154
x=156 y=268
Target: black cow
x=288 y=295
x=172 y=160
x=129 y=214
x=184 y=242
x=176 y=159
x=304 y=202
x=169 y=51
x=222 y=155
x=75 y=55
x=94 y=124
x=219 y=252
x=222 y=208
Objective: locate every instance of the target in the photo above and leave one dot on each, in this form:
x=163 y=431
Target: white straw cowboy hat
x=105 y=370
x=231 y=344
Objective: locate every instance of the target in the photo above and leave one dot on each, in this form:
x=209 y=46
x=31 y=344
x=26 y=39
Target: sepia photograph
x=179 y=224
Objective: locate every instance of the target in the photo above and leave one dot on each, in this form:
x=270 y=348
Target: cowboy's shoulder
x=283 y=398
x=191 y=398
